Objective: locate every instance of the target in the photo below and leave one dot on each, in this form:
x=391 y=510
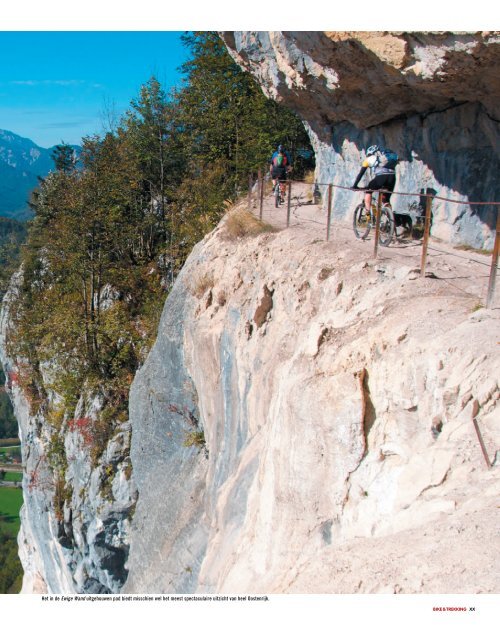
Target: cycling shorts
x=278 y=174
x=382 y=181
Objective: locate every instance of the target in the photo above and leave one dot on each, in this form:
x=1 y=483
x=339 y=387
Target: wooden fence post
x=250 y=181
x=261 y=197
x=329 y=214
x=289 y=204
x=494 y=262
x=377 y=224
x=481 y=442
x=427 y=229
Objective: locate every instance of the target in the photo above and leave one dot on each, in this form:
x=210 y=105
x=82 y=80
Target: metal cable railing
x=427 y=220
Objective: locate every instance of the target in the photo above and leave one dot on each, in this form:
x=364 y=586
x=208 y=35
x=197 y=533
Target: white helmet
x=372 y=149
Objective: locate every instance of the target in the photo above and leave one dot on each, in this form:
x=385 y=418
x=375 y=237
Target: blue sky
x=55 y=84
x=60 y=86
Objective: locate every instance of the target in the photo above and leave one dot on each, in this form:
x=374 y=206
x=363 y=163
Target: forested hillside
x=12 y=234
x=8 y=425
x=110 y=234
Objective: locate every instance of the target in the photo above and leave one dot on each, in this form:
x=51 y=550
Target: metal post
x=427 y=229
x=261 y=193
x=288 y=206
x=329 y=214
x=377 y=224
x=494 y=261
x=250 y=181
x=481 y=443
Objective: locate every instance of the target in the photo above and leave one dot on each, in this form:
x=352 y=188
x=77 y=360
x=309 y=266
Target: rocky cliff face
x=335 y=399
x=304 y=422
x=74 y=531
x=432 y=97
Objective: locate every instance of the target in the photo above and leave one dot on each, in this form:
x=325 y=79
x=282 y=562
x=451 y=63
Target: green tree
x=11 y=572
x=12 y=235
x=8 y=423
x=64 y=157
x=108 y=237
x=226 y=130
x=150 y=129
x=226 y=115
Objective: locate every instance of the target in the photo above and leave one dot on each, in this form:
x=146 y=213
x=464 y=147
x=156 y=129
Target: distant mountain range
x=21 y=162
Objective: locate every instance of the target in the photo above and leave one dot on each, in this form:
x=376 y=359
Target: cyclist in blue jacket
x=280 y=165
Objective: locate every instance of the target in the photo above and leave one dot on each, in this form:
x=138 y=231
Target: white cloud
x=59 y=83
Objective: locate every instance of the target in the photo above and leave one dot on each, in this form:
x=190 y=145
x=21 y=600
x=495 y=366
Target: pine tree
x=64 y=157
x=109 y=235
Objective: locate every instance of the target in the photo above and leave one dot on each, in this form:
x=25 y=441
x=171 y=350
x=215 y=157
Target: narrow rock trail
x=452 y=552
x=336 y=394
x=461 y=272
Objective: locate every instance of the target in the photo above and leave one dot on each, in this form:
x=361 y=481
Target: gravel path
x=462 y=273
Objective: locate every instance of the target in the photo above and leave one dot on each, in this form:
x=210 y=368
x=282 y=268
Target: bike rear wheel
x=361 y=222
x=277 y=195
x=386 y=226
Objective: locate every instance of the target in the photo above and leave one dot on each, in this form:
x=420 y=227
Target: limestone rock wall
x=335 y=397
x=83 y=547
x=432 y=97
x=304 y=418
x=335 y=400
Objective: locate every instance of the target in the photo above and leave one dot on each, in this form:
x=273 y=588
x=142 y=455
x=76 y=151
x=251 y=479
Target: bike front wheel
x=277 y=195
x=361 y=222
x=386 y=226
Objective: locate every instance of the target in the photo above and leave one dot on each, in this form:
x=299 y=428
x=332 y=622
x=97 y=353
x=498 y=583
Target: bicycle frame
x=279 y=192
x=281 y=184
x=373 y=211
x=364 y=220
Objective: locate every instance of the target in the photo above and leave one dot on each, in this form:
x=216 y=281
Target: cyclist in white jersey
x=383 y=164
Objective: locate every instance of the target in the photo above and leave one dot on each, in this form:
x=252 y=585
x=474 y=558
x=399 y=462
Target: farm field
x=11 y=500
x=8 y=442
x=12 y=476
x=9 y=449
x=10 y=454
x=11 y=572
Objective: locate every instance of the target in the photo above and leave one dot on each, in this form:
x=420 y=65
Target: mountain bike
x=364 y=220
